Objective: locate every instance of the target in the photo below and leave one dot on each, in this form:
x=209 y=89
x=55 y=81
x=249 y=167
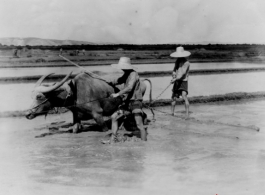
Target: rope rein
x=161 y=93
x=95 y=76
x=197 y=120
x=74 y=105
x=209 y=121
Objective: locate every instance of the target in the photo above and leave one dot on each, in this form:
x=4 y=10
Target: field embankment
x=239 y=96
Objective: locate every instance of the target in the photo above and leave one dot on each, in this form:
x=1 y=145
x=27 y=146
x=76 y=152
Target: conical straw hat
x=180 y=53
x=123 y=64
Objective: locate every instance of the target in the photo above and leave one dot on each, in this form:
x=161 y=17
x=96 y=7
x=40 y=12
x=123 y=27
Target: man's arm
x=116 y=81
x=131 y=83
x=182 y=73
x=174 y=73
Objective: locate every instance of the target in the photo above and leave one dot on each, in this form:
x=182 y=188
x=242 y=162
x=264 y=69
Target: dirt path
x=180 y=157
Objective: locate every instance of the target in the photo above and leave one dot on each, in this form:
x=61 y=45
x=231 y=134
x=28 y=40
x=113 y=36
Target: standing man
x=180 y=79
x=15 y=53
x=61 y=51
x=131 y=95
x=84 y=52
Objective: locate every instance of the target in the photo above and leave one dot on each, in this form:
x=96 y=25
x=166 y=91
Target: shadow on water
x=66 y=128
x=62 y=128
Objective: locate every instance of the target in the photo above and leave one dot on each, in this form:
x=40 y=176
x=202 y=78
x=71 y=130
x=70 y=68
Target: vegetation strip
x=165 y=102
x=143 y=74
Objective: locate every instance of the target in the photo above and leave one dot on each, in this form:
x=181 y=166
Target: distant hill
x=38 y=41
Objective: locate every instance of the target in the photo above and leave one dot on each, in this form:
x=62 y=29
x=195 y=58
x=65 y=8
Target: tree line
x=139 y=47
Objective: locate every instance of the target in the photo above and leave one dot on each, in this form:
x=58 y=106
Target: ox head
x=43 y=95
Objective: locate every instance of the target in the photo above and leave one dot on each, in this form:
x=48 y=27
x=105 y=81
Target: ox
x=86 y=96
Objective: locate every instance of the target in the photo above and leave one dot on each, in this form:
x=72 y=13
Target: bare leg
x=76 y=127
x=114 y=124
x=140 y=125
x=173 y=104
x=76 y=122
x=100 y=121
x=184 y=96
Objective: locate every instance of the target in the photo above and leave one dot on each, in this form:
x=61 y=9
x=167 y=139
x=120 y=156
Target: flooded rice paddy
x=180 y=157
x=18 y=96
x=18 y=72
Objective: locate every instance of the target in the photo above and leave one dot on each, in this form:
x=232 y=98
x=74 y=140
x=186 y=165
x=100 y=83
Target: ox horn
x=54 y=87
x=42 y=79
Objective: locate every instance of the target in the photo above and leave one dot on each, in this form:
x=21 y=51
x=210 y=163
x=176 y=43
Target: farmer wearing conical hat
x=132 y=97
x=180 y=78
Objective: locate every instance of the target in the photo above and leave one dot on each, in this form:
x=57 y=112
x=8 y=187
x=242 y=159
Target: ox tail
x=150 y=97
x=150 y=92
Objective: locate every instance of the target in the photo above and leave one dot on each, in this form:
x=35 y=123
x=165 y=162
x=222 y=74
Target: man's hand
x=114 y=95
x=173 y=80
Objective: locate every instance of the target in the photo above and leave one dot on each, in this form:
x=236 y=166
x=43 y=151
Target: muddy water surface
x=180 y=157
x=18 y=96
x=17 y=72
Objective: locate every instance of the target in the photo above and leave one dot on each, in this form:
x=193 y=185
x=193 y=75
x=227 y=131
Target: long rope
x=90 y=73
x=197 y=120
x=161 y=93
x=98 y=77
x=190 y=119
x=74 y=104
x=167 y=113
x=207 y=122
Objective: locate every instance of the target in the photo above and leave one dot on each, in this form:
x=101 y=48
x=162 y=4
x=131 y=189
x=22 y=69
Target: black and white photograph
x=132 y=97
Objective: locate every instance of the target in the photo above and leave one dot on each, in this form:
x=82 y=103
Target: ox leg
x=100 y=121
x=140 y=126
x=76 y=127
x=76 y=122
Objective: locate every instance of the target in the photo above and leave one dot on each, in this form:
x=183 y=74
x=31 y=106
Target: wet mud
x=180 y=156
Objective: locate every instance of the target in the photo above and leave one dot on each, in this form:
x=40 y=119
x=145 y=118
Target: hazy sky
x=135 y=21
